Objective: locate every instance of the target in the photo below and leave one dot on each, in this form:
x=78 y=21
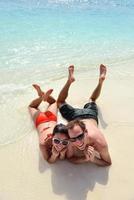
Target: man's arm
x=105 y=156
x=91 y=156
x=87 y=157
x=100 y=162
x=77 y=160
x=101 y=146
x=84 y=159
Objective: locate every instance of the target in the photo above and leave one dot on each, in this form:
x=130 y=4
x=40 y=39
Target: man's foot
x=46 y=95
x=38 y=89
x=103 y=71
x=71 y=72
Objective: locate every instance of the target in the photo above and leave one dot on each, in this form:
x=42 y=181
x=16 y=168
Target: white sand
x=25 y=176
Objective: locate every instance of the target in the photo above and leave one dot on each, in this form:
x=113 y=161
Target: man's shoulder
x=93 y=131
x=90 y=122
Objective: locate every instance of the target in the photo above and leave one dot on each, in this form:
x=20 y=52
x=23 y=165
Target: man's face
x=77 y=137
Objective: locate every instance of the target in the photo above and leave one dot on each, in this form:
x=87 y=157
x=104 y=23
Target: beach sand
x=25 y=176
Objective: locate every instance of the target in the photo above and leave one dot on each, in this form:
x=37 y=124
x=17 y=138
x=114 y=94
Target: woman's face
x=60 y=141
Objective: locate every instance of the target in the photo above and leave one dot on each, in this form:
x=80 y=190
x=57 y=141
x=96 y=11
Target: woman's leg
x=33 y=107
x=52 y=107
x=35 y=103
x=50 y=99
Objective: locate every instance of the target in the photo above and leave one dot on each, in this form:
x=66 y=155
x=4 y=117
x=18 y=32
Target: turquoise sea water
x=55 y=33
x=39 y=39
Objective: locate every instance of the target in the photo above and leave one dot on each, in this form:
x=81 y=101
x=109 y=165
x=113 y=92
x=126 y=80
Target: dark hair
x=60 y=128
x=72 y=123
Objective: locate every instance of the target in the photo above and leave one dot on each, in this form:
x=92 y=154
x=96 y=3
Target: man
x=85 y=136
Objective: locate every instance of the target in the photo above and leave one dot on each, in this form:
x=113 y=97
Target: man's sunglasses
x=59 y=141
x=79 y=137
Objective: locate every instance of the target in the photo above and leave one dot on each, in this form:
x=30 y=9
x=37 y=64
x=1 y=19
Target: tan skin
x=59 y=150
x=86 y=147
x=84 y=150
x=50 y=151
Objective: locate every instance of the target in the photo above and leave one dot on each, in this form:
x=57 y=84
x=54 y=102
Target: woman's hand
x=62 y=153
x=55 y=152
x=54 y=155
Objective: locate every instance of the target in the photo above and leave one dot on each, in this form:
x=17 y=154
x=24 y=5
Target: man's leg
x=50 y=99
x=96 y=92
x=64 y=92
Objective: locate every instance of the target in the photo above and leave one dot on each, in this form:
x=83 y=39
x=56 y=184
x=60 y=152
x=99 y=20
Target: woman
x=53 y=137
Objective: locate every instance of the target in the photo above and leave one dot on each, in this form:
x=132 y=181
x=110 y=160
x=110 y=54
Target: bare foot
x=46 y=95
x=71 y=72
x=103 y=71
x=38 y=89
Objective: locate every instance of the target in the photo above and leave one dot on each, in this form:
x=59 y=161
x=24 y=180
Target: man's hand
x=89 y=153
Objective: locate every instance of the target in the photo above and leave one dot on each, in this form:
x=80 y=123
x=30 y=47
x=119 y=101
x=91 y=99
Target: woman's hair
x=60 y=128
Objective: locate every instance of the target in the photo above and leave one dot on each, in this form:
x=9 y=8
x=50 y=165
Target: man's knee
x=60 y=104
x=92 y=100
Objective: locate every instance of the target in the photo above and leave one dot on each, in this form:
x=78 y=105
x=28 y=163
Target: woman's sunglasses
x=59 y=141
x=79 y=137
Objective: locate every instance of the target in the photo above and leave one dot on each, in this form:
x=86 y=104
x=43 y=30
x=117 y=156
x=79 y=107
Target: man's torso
x=95 y=138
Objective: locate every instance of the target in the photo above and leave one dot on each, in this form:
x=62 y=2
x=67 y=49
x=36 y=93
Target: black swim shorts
x=89 y=111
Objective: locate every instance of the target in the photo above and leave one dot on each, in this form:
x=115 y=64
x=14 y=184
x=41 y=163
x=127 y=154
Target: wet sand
x=24 y=174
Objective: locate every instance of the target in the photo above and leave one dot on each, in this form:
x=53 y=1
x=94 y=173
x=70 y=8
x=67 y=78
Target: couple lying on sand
x=80 y=140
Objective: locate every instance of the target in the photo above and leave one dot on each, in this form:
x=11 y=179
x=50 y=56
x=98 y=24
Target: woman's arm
x=45 y=152
x=48 y=151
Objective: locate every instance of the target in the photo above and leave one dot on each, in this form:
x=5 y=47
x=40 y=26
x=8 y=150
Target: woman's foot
x=38 y=89
x=46 y=95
